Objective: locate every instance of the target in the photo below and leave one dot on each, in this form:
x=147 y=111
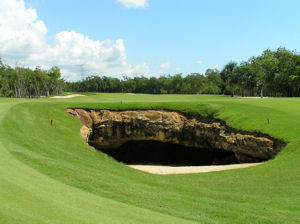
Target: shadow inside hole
x=160 y=153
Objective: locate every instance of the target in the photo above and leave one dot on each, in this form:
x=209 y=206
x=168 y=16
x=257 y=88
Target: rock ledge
x=110 y=129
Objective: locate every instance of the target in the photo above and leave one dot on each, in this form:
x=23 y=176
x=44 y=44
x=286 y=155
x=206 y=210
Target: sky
x=143 y=37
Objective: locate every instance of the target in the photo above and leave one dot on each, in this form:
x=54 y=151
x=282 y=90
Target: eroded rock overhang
x=108 y=129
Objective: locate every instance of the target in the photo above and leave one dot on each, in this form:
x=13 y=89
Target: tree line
x=176 y=84
x=273 y=73
x=20 y=82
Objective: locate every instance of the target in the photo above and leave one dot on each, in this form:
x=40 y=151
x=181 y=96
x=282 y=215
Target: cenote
x=162 y=137
x=160 y=153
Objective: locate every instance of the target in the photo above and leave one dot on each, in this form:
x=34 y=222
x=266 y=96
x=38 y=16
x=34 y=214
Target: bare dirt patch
x=66 y=97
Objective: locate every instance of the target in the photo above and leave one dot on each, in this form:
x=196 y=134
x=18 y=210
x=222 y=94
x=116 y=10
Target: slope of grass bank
x=49 y=175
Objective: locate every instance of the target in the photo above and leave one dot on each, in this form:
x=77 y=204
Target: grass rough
x=49 y=175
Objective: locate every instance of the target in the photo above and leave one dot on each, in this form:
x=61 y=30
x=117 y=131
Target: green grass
x=49 y=175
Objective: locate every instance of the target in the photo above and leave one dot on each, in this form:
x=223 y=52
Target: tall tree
x=265 y=66
x=229 y=76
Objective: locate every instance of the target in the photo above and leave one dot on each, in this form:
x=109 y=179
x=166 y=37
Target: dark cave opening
x=160 y=153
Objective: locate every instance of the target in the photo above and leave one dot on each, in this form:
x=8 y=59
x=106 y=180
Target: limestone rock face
x=110 y=129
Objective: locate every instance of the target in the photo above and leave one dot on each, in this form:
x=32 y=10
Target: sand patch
x=252 y=97
x=155 y=169
x=66 y=97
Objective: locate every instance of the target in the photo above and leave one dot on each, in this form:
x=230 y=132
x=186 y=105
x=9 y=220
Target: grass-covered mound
x=48 y=174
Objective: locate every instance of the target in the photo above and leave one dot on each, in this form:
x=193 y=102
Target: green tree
x=128 y=86
x=265 y=67
x=229 y=77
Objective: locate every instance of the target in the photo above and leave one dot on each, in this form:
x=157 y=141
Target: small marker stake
x=268 y=120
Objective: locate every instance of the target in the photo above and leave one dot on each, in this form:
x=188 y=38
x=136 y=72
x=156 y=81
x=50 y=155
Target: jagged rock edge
x=244 y=152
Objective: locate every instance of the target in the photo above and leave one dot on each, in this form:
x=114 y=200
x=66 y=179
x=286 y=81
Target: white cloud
x=141 y=69
x=134 y=3
x=23 y=39
x=166 y=65
x=74 y=51
x=199 y=62
x=20 y=31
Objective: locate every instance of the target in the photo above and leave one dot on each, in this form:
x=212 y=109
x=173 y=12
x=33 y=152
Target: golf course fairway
x=48 y=174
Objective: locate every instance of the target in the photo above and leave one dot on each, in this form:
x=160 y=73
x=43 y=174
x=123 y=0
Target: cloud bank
x=23 y=39
x=166 y=65
x=134 y=3
x=199 y=62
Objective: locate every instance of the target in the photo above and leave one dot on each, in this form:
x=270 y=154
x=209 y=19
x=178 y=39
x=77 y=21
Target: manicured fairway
x=48 y=174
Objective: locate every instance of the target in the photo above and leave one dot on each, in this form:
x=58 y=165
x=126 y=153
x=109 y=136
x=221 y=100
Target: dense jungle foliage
x=273 y=73
x=20 y=82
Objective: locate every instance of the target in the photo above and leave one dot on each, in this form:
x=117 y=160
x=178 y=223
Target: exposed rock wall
x=111 y=129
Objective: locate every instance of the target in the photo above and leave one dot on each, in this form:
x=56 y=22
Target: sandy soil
x=189 y=169
x=253 y=97
x=68 y=96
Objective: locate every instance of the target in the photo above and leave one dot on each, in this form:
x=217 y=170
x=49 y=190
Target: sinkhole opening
x=178 y=141
x=161 y=153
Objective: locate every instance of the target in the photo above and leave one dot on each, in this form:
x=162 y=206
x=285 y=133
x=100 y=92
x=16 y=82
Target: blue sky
x=167 y=36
